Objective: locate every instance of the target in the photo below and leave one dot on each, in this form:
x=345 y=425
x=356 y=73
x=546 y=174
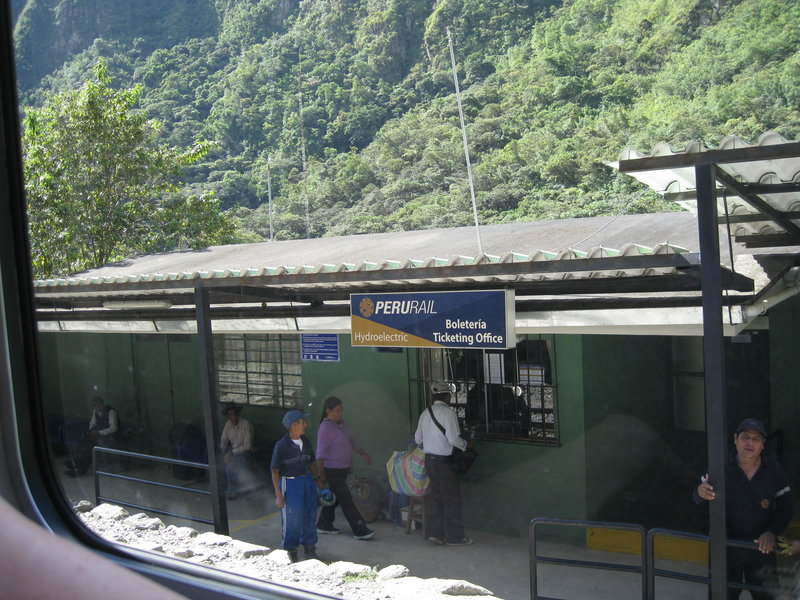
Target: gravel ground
x=339 y=579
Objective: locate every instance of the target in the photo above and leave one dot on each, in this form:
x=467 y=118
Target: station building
x=595 y=409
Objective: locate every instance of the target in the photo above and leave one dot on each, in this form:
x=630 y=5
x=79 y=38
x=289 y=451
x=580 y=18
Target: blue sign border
x=480 y=319
x=322 y=347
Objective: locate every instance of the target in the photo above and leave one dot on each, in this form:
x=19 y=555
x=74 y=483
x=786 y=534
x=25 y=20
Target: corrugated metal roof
x=759 y=199
x=407 y=266
x=327 y=269
x=566 y=274
x=535 y=242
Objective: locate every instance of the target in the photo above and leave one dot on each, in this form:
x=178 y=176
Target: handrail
x=535 y=559
x=647 y=568
x=653 y=572
x=147 y=457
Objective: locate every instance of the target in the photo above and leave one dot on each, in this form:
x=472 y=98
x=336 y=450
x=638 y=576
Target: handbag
x=407 y=473
x=460 y=460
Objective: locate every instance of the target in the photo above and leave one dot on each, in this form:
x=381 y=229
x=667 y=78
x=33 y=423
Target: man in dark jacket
x=758 y=508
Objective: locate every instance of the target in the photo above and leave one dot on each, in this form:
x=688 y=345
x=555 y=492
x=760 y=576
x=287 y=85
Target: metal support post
x=714 y=369
x=210 y=396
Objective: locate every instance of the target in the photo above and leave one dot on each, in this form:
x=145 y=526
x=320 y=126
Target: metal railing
x=647 y=566
x=98 y=497
x=653 y=571
x=535 y=559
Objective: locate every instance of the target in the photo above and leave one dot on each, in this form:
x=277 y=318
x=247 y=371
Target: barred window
x=504 y=394
x=262 y=369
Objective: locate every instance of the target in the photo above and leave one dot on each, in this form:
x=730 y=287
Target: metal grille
x=259 y=369
x=505 y=394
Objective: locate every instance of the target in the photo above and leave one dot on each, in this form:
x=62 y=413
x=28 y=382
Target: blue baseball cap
x=292 y=416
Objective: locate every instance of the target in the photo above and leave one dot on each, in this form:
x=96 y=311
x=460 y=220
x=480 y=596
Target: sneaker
x=435 y=540
x=311 y=554
x=464 y=542
x=365 y=536
x=331 y=531
x=293 y=555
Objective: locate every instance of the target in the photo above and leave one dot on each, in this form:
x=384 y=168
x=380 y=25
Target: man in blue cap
x=758 y=507
x=295 y=480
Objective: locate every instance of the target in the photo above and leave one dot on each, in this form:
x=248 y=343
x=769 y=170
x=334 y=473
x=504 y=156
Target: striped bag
x=406 y=472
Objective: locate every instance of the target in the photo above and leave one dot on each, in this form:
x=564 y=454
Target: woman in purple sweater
x=335 y=447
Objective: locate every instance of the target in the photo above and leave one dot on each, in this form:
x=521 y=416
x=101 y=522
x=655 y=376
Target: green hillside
x=353 y=100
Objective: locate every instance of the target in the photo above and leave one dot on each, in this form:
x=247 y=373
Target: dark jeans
x=754 y=568
x=337 y=483
x=443 y=502
x=82 y=454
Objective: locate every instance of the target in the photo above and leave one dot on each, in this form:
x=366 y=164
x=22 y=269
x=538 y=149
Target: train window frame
x=27 y=480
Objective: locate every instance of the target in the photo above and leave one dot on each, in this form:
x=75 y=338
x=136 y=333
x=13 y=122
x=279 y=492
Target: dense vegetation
x=101 y=187
x=344 y=110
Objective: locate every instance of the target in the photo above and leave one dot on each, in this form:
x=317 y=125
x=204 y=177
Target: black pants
x=444 y=500
x=82 y=454
x=337 y=483
x=749 y=566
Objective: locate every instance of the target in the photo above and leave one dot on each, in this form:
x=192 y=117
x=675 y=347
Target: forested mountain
x=352 y=101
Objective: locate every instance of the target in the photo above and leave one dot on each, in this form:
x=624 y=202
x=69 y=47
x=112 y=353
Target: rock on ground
x=347 y=580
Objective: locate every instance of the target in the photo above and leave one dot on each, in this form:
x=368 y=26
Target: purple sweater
x=335 y=444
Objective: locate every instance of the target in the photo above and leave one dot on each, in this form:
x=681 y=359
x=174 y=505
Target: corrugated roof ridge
x=364 y=265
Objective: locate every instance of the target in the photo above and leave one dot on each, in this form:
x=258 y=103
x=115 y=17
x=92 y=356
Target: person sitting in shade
x=236 y=444
x=294 y=475
x=104 y=431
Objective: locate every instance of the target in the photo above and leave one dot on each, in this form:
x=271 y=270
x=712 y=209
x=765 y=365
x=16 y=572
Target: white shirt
x=113 y=423
x=240 y=437
x=430 y=437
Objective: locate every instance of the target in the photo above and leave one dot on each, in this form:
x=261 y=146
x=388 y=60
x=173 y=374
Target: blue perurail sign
x=463 y=319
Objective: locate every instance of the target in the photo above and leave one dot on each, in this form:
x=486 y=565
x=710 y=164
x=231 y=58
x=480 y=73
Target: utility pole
x=464 y=140
x=302 y=135
x=269 y=198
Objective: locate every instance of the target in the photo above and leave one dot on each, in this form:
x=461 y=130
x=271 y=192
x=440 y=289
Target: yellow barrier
x=669 y=548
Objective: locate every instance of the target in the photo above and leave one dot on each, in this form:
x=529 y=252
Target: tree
x=99 y=185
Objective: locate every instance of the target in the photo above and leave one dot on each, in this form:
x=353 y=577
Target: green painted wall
x=154 y=382
x=150 y=379
x=510 y=484
x=76 y=367
x=633 y=474
x=379 y=401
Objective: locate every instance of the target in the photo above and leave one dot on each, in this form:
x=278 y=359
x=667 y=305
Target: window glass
x=259 y=369
x=172 y=150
